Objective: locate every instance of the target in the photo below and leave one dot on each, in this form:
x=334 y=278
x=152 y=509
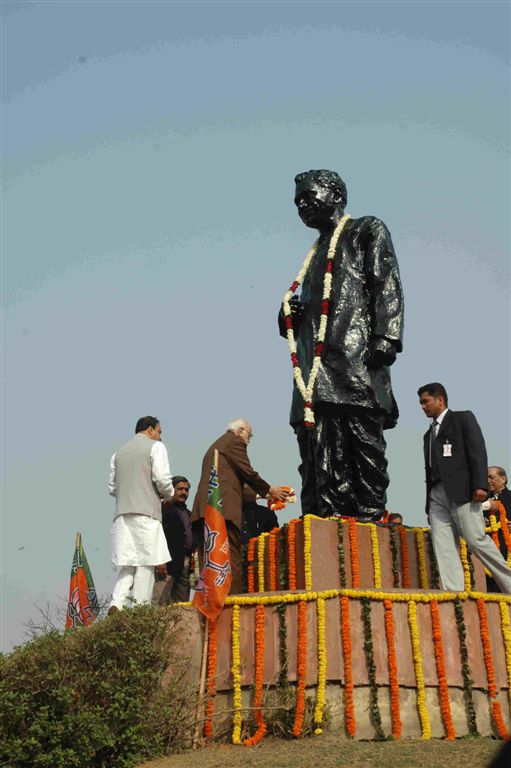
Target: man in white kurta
x=139 y=479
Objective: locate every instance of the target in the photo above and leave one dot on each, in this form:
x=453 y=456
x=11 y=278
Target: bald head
x=497 y=479
x=241 y=428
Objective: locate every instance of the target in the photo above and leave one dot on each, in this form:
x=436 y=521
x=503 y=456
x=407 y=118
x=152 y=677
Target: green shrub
x=94 y=697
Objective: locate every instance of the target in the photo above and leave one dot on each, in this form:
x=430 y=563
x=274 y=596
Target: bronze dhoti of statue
x=344 y=332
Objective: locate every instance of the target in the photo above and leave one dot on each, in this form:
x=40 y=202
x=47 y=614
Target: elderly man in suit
x=234 y=469
x=456 y=485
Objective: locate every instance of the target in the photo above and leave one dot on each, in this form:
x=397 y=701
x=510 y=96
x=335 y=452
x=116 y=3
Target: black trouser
x=343 y=469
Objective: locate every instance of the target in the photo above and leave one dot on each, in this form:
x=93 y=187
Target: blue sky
x=149 y=233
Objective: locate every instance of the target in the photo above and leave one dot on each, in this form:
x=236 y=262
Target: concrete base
x=335 y=691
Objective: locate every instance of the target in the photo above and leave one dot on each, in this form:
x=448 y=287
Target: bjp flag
x=215 y=580
x=82 y=606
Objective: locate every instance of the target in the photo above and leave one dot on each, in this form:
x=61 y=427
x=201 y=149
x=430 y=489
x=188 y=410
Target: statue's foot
x=369 y=514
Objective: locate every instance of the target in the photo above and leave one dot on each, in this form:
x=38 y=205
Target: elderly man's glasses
x=250 y=434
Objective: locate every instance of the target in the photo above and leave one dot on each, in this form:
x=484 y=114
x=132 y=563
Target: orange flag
x=215 y=580
x=83 y=606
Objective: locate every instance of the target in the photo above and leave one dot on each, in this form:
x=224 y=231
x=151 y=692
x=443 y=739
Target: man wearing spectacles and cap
x=234 y=469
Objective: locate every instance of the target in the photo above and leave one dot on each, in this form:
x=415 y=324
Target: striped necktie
x=432 y=436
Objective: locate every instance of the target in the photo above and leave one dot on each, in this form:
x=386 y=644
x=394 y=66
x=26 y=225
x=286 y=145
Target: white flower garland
x=306 y=390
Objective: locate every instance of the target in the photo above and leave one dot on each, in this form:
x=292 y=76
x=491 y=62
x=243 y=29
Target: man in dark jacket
x=456 y=485
x=173 y=585
x=498 y=491
x=255 y=518
x=343 y=469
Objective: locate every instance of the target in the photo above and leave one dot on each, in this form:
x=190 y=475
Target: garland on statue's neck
x=306 y=390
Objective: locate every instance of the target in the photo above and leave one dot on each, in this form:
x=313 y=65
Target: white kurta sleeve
x=112 y=484
x=161 y=470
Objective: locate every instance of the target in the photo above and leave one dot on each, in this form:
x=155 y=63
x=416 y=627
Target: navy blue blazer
x=466 y=469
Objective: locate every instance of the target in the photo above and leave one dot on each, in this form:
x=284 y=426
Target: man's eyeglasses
x=250 y=434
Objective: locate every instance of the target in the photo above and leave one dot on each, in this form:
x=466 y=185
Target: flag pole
x=202 y=687
x=205 y=645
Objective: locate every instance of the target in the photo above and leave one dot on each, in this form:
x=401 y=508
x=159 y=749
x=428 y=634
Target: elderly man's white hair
x=237 y=424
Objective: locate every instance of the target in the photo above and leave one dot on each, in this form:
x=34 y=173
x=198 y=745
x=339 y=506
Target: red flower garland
x=291 y=556
x=258 y=674
x=250 y=565
x=349 y=707
x=301 y=668
x=445 y=704
x=211 y=685
x=490 y=671
x=272 y=559
x=405 y=558
x=392 y=661
x=355 y=563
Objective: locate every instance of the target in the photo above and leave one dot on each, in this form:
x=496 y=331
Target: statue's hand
x=297 y=308
x=381 y=352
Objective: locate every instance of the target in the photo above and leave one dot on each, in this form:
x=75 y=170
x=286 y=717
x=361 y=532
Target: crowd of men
x=155 y=536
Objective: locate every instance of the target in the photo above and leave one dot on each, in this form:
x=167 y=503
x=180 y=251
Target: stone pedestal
x=339 y=550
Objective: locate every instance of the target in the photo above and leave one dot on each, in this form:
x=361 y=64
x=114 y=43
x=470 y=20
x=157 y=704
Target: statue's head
x=321 y=197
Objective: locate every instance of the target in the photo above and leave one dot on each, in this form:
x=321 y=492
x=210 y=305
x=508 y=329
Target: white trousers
x=448 y=521
x=134 y=585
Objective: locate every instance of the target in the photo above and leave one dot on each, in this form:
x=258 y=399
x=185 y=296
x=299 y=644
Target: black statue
x=344 y=469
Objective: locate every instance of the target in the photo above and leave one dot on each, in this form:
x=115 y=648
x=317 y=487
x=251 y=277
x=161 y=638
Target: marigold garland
x=355 y=564
x=251 y=568
x=395 y=710
x=301 y=668
x=236 y=676
x=277 y=506
x=505 y=530
x=466 y=568
x=307 y=551
x=494 y=529
x=376 y=556
x=506 y=636
x=307 y=390
x=468 y=683
x=374 y=707
x=443 y=690
x=291 y=553
x=258 y=674
x=320 y=693
x=211 y=683
x=261 y=541
x=419 y=674
x=421 y=553
x=272 y=563
x=490 y=670
x=405 y=557
x=349 y=706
